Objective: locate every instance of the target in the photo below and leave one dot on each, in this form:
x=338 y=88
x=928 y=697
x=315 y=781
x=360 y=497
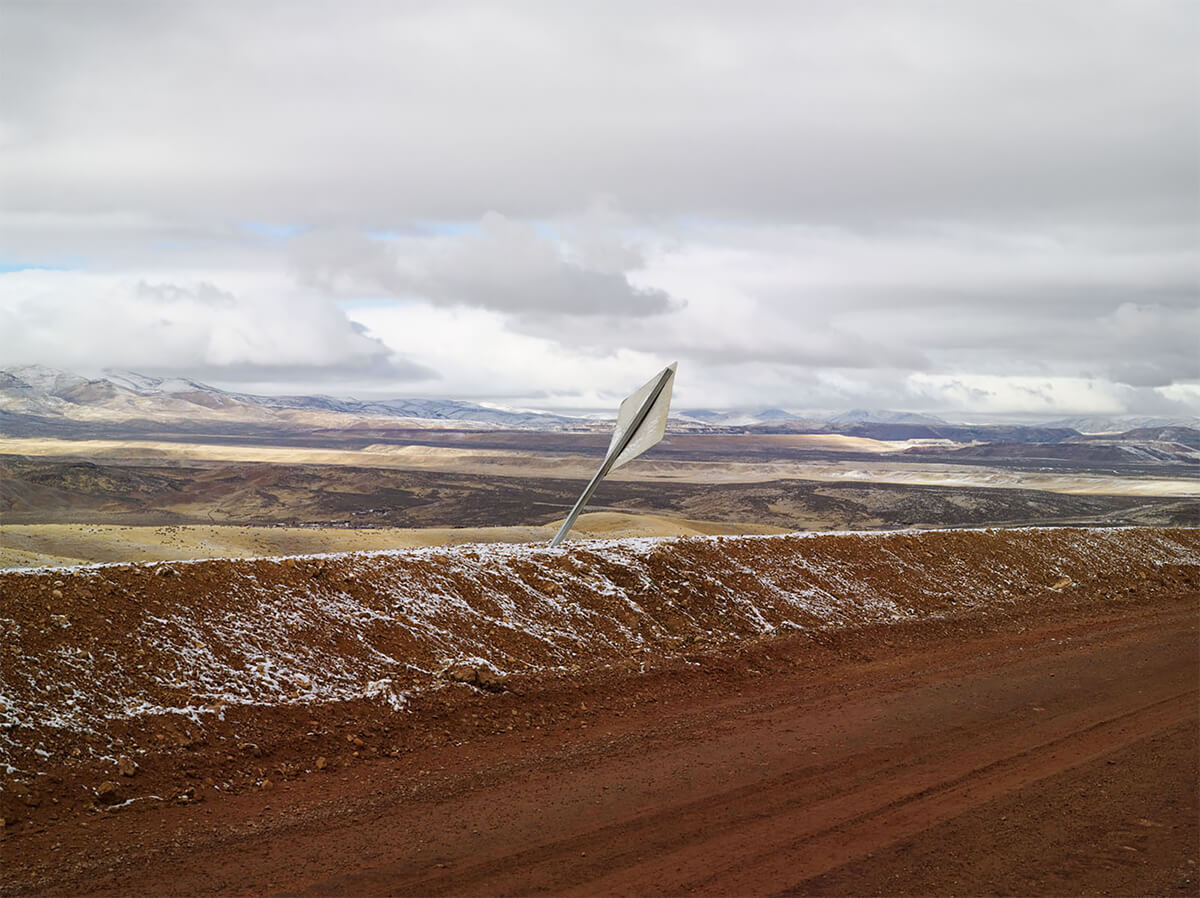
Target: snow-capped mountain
x=37 y=391
x=40 y=401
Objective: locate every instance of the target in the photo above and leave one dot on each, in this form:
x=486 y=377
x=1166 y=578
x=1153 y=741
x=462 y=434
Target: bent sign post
x=641 y=423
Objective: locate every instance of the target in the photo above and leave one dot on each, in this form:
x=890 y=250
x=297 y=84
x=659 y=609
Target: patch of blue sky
x=270 y=229
x=7 y=266
x=428 y=229
x=450 y=228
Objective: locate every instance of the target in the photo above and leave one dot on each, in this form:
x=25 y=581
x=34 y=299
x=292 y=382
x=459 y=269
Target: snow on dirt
x=91 y=651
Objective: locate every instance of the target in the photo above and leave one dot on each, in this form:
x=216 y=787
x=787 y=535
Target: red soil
x=1052 y=753
x=1043 y=745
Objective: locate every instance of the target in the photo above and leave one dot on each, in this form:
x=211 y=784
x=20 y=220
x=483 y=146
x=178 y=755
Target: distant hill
x=1109 y=424
x=940 y=432
x=747 y=417
x=1081 y=453
x=37 y=401
x=56 y=399
x=812 y=422
x=1163 y=445
x=1183 y=436
x=881 y=416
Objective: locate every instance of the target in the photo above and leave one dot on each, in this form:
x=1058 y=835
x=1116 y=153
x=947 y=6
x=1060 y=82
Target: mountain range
x=46 y=402
x=38 y=392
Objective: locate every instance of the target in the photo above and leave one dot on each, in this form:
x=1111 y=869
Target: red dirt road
x=1050 y=752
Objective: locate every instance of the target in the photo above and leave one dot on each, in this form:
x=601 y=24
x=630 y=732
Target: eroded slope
x=98 y=658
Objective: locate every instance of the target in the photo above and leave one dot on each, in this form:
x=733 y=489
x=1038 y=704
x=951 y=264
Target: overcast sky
x=972 y=206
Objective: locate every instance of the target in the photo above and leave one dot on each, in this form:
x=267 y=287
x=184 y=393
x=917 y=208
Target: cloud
x=796 y=112
x=502 y=265
x=479 y=356
x=808 y=204
x=1151 y=345
x=88 y=322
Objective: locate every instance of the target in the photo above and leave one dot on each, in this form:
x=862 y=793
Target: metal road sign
x=641 y=423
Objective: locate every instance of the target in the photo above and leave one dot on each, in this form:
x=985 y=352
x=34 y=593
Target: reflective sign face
x=653 y=424
x=641 y=423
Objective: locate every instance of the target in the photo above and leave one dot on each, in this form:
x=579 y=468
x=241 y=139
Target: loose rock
x=481 y=676
x=490 y=679
x=461 y=673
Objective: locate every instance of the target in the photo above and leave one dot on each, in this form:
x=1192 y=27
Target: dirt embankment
x=185 y=671
x=1044 y=746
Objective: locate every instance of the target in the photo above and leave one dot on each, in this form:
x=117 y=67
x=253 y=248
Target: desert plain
x=72 y=501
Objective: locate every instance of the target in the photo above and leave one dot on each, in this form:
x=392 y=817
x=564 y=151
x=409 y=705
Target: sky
x=987 y=208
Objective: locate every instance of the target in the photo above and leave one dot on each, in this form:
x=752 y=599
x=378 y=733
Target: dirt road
x=1051 y=752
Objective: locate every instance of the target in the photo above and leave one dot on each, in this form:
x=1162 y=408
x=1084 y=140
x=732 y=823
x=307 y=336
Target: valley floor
x=35 y=545
x=840 y=461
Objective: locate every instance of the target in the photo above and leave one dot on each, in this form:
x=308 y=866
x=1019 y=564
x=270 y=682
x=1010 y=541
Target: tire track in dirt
x=1123 y=823
x=783 y=765
x=789 y=828
x=885 y=821
x=716 y=831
